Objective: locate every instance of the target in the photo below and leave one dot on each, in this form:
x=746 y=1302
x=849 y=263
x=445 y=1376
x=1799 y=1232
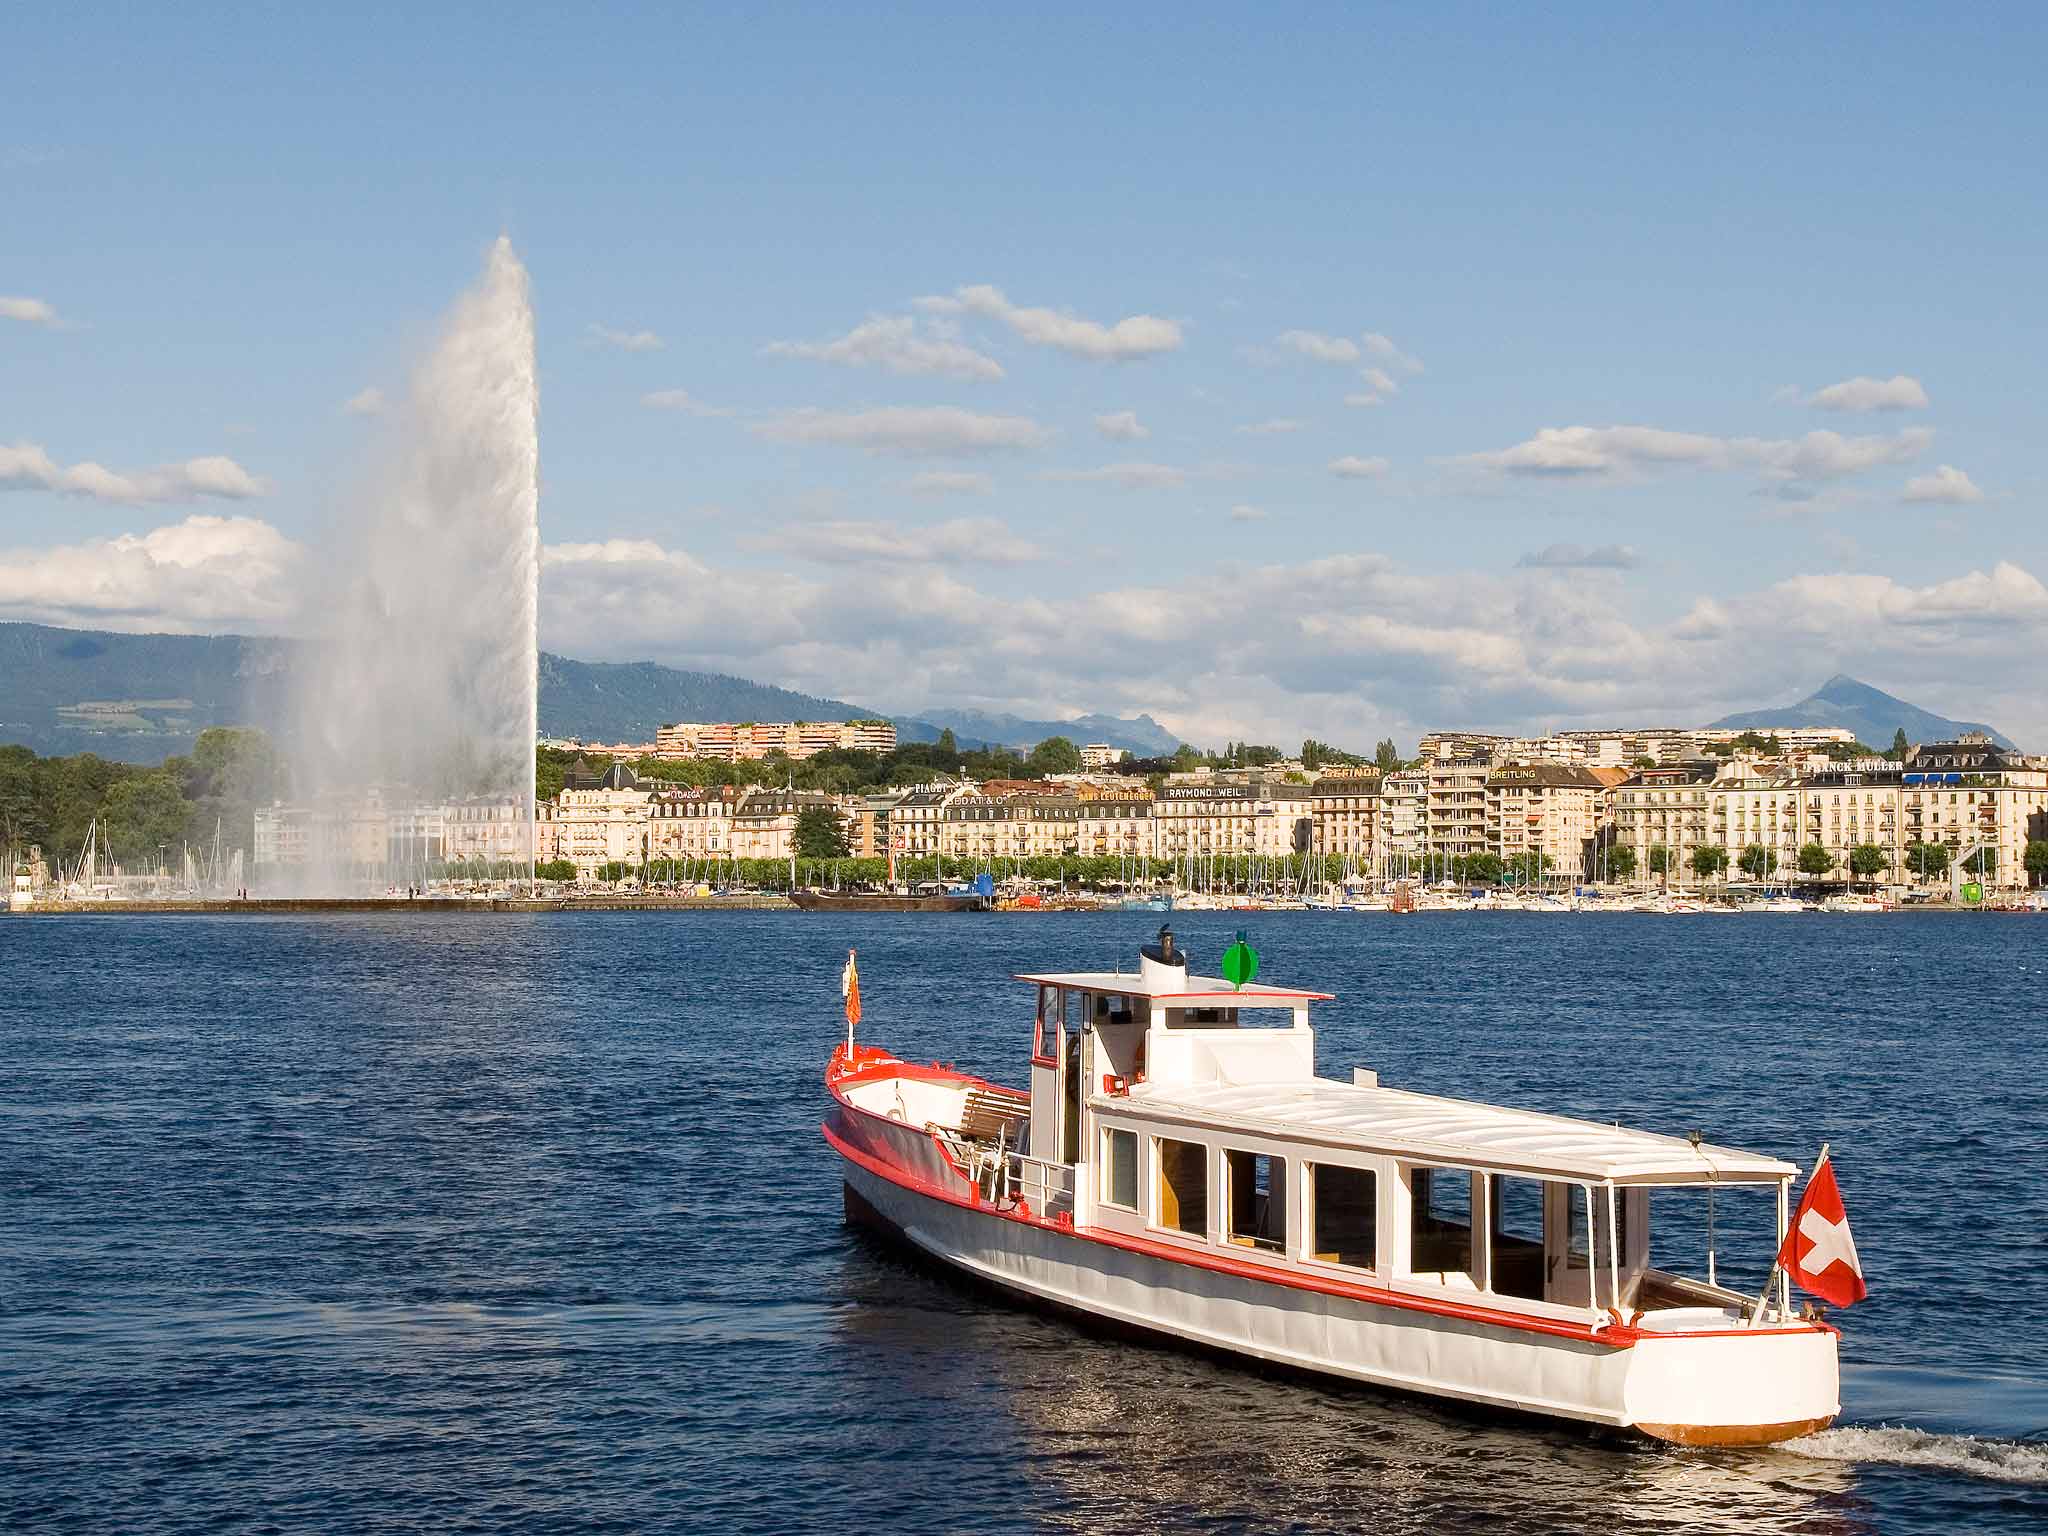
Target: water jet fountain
x=417 y=707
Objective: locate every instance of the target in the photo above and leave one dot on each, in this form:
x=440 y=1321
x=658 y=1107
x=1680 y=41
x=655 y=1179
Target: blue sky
x=1501 y=236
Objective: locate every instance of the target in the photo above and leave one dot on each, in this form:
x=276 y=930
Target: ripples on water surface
x=524 y=1224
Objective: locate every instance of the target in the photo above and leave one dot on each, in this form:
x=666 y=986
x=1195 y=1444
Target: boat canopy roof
x=1180 y=989
x=1426 y=1128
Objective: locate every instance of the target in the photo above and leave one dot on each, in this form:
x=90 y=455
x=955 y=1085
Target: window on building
x=1257 y=1196
x=1183 y=1169
x=1120 y=1168
x=1440 y=1221
x=1344 y=1215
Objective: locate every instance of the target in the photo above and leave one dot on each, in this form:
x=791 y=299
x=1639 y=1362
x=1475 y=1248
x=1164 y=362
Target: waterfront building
x=1457 y=744
x=486 y=830
x=692 y=825
x=1454 y=813
x=764 y=824
x=1233 y=816
x=1115 y=821
x=1664 y=807
x=1756 y=805
x=547 y=842
x=867 y=818
x=1971 y=794
x=1551 y=809
x=727 y=741
x=601 y=817
x=1399 y=842
x=917 y=819
x=1345 y=808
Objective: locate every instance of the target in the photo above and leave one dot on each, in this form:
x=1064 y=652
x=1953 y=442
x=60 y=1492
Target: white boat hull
x=1738 y=1387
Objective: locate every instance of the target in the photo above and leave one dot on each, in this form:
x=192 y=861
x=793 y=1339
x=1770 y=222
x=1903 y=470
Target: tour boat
x=1178 y=1168
x=892 y=901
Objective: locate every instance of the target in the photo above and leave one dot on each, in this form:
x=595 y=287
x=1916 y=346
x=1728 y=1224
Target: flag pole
x=1757 y=1311
x=852 y=1011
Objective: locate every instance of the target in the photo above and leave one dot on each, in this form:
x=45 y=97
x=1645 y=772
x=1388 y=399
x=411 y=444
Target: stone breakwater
x=260 y=905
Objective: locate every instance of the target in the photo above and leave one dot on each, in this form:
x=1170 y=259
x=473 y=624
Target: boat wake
x=2005 y=1461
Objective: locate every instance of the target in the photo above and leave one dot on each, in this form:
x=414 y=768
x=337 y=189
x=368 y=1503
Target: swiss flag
x=849 y=988
x=1818 y=1252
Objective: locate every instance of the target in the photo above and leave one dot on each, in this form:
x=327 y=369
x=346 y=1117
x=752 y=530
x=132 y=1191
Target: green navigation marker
x=1240 y=963
x=1973 y=892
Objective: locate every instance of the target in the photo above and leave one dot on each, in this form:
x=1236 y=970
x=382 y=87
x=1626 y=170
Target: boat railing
x=1043 y=1185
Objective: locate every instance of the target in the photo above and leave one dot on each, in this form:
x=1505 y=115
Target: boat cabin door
x=1056 y=1075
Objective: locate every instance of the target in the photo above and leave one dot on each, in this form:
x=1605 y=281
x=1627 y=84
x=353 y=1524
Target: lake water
x=523 y=1223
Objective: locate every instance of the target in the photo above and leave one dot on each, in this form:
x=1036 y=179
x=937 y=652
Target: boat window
x=1258 y=1200
x=1440 y=1221
x=1575 y=1248
x=1345 y=1219
x=1045 y=1043
x=1183 y=1185
x=1517 y=1248
x=1120 y=1160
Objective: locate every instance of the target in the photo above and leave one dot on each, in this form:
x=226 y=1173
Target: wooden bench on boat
x=986 y=1115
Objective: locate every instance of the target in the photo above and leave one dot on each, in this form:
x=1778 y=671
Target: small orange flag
x=849 y=986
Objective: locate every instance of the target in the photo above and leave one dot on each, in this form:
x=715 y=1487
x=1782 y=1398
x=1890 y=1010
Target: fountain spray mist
x=419 y=703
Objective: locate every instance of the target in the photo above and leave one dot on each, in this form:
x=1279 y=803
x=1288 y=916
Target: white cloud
x=1126 y=477
x=1614 y=452
x=205 y=574
x=1579 y=557
x=949 y=482
x=1379 y=384
x=907 y=431
x=364 y=402
x=625 y=341
x=1135 y=336
x=1322 y=348
x=892 y=342
x=1829 y=455
x=1348 y=647
x=28 y=311
x=1946 y=484
x=1121 y=427
x=1272 y=427
x=682 y=400
x=958 y=541
x=1900 y=392
x=25 y=466
x=1377 y=345
x=632 y=599
x=1245 y=512
x=1352 y=467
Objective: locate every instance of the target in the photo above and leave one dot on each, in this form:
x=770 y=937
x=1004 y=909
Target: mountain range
x=139 y=698
x=1874 y=715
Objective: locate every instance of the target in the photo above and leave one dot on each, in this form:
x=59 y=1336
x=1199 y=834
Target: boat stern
x=1733 y=1385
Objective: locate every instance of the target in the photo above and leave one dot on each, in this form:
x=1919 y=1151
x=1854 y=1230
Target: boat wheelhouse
x=1177 y=1166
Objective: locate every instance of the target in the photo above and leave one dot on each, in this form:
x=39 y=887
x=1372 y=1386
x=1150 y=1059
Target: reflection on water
x=1130 y=1436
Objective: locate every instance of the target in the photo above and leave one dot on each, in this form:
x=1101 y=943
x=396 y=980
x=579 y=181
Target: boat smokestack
x=1163 y=964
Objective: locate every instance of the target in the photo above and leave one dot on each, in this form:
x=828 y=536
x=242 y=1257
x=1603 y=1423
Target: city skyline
x=1436 y=377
